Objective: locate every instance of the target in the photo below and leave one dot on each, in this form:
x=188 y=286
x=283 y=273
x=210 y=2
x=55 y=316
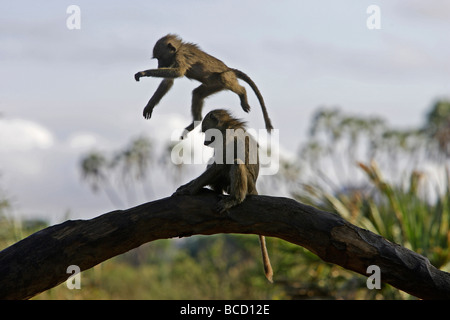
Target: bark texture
x=39 y=262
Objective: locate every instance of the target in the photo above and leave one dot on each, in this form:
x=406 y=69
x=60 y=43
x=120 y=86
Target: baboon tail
x=266 y=261
x=246 y=78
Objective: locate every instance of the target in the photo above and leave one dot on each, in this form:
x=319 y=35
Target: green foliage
x=119 y=173
x=213 y=267
x=408 y=208
x=403 y=216
x=397 y=208
x=13 y=230
x=437 y=127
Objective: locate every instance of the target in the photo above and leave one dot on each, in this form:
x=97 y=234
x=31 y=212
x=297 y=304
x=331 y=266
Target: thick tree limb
x=39 y=262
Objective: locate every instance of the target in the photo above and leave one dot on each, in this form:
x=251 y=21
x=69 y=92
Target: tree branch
x=39 y=262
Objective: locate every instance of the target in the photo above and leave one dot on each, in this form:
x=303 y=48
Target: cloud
x=437 y=10
x=86 y=141
x=23 y=135
x=39 y=170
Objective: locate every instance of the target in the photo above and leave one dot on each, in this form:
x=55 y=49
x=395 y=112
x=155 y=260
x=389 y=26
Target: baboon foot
x=245 y=107
x=186 y=131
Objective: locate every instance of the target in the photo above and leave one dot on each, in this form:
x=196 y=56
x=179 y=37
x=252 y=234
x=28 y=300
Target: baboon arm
x=163 y=88
x=163 y=73
x=206 y=178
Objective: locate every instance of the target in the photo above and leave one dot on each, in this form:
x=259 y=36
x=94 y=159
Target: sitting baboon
x=177 y=59
x=233 y=169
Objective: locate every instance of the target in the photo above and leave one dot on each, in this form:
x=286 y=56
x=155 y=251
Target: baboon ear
x=213 y=118
x=171 y=47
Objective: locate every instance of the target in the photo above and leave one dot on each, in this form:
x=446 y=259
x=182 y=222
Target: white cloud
x=83 y=141
x=23 y=135
x=435 y=11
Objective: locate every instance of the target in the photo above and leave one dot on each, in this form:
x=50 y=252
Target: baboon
x=234 y=167
x=177 y=59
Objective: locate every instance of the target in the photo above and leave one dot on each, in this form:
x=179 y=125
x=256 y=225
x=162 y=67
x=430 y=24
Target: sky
x=65 y=92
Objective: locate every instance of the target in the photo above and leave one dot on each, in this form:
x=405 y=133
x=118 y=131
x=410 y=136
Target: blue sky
x=64 y=92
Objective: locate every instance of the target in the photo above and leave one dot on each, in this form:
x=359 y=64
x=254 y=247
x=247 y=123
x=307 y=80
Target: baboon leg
x=230 y=82
x=208 y=177
x=198 y=96
x=239 y=181
x=244 y=103
x=237 y=189
x=251 y=184
x=242 y=93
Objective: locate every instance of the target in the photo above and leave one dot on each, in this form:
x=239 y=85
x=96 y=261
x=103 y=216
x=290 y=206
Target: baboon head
x=166 y=49
x=222 y=120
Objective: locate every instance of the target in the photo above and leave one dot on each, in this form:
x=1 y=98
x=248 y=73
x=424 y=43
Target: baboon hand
x=223 y=205
x=184 y=190
x=148 y=112
x=137 y=76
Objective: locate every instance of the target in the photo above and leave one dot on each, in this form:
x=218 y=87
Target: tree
x=94 y=170
x=129 y=166
x=40 y=261
x=437 y=126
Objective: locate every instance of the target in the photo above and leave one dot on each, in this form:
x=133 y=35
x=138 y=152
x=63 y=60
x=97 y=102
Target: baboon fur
x=177 y=59
x=237 y=178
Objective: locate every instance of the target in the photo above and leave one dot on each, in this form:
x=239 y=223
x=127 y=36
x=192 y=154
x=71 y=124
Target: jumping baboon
x=234 y=167
x=177 y=59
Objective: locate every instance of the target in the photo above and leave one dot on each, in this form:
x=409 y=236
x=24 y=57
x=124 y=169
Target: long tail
x=266 y=261
x=246 y=78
